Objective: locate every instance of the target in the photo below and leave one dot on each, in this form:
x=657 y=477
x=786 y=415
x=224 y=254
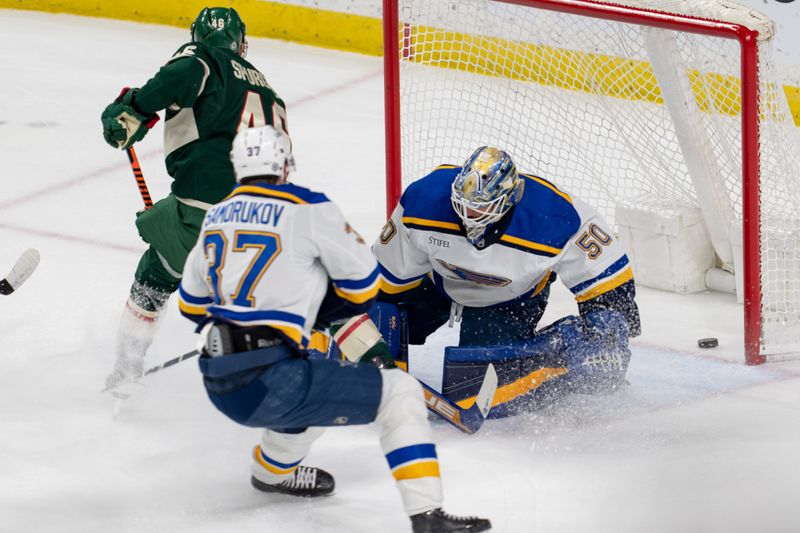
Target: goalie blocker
x=583 y=355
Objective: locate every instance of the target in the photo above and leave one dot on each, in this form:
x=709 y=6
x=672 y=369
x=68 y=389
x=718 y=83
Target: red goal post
x=407 y=48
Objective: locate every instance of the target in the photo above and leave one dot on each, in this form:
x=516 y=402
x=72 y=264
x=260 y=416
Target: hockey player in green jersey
x=209 y=92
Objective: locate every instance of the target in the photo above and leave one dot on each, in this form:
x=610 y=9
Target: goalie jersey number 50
x=593 y=240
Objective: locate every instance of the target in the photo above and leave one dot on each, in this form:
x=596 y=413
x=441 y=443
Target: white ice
x=698 y=443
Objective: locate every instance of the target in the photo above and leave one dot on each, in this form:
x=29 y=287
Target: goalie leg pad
x=585 y=355
x=595 y=349
x=529 y=375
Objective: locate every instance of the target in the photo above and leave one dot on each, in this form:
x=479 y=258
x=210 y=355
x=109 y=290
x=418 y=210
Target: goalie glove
x=361 y=342
x=123 y=124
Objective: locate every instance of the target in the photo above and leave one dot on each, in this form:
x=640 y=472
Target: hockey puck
x=709 y=342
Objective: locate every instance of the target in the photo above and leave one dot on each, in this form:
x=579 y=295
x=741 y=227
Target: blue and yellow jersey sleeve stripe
x=391 y=284
x=411 y=462
x=618 y=273
x=358 y=291
x=192 y=307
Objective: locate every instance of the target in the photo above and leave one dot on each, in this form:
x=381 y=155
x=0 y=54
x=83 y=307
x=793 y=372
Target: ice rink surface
x=698 y=443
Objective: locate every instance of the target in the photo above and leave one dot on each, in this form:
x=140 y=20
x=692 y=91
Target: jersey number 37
x=266 y=245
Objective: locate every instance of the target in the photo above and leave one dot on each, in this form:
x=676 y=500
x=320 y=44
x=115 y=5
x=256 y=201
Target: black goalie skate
x=437 y=521
x=306 y=482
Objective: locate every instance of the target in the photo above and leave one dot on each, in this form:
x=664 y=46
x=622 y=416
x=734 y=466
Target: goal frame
x=394 y=34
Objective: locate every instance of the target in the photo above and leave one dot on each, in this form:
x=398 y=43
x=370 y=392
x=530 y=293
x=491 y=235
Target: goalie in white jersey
x=482 y=243
x=272 y=261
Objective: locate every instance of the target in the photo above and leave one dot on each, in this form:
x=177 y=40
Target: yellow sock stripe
x=517 y=388
x=417 y=470
x=608 y=285
x=272 y=468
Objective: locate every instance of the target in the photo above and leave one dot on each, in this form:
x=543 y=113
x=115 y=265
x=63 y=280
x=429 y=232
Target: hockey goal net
x=653 y=104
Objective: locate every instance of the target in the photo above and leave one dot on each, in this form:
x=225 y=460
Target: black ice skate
x=306 y=482
x=437 y=521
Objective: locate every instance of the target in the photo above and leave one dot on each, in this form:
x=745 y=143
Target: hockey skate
x=306 y=482
x=437 y=521
x=126 y=377
x=137 y=328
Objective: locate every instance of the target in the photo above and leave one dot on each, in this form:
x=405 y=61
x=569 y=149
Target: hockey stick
x=121 y=395
x=21 y=271
x=467 y=420
x=175 y=361
x=162 y=366
x=137 y=173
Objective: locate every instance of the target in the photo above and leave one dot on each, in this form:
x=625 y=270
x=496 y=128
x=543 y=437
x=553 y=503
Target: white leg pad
x=279 y=454
x=403 y=419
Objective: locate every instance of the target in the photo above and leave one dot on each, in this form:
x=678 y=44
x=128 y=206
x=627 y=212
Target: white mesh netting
x=576 y=100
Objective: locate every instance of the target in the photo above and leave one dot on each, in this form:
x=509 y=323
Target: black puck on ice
x=709 y=342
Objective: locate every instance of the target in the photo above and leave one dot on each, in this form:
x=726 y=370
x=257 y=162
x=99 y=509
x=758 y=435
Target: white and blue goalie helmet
x=487 y=187
x=262 y=151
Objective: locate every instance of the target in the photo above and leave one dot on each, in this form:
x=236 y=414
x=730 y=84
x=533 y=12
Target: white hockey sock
x=406 y=440
x=279 y=454
x=137 y=328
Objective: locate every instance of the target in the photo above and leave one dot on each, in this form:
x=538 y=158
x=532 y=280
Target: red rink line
x=72 y=238
x=57 y=188
x=80 y=180
x=60 y=187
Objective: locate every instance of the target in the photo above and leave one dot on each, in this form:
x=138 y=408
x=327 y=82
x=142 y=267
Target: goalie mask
x=487 y=187
x=220 y=27
x=262 y=152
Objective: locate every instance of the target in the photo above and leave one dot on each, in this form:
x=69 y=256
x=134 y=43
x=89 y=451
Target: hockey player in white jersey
x=482 y=243
x=272 y=261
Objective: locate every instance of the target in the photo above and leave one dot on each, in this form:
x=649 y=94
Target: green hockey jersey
x=209 y=94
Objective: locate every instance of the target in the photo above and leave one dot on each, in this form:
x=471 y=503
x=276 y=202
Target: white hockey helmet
x=262 y=151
